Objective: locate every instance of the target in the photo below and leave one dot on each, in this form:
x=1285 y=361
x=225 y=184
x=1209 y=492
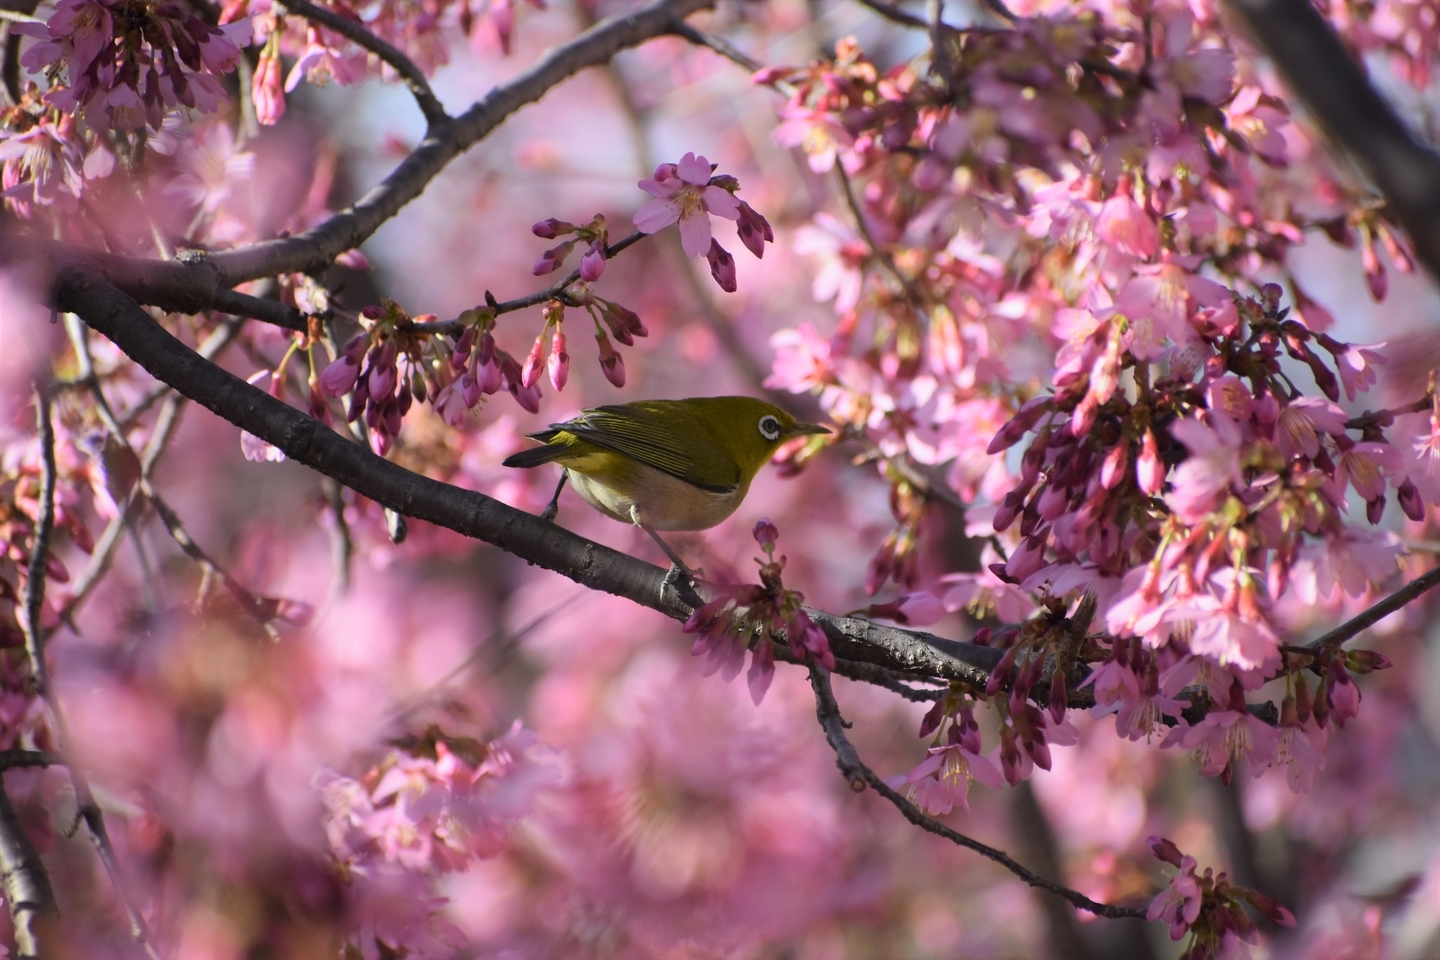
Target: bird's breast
x=664 y=502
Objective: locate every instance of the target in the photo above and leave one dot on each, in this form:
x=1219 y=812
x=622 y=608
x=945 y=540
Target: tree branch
x=1379 y=611
x=860 y=776
x=435 y=115
x=1337 y=91
x=316 y=248
x=27 y=885
x=34 y=596
x=307 y=441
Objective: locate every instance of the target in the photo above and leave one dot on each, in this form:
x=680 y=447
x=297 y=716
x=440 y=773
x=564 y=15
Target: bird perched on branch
x=665 y=464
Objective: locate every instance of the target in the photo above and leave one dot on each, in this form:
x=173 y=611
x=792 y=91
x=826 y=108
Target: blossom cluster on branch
x=1123 y=451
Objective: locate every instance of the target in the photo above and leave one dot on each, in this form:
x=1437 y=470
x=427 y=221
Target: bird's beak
x=802 y=429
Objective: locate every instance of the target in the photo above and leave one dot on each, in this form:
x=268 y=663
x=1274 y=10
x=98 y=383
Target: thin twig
x=257 y=608
x=880 y=677
x=529 y=300
x=342 y=546
x=1379 y=611
x=35 y=647
x=719 y=44
x=883 y=256
x=827 y=711
x=34 y=596
x=413 y=76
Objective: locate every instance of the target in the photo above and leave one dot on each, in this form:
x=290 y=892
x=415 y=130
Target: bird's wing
x=673 y=441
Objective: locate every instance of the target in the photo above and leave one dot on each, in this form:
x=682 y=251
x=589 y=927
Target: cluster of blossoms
x=129 y=62
x=431 y=807
x=455 y=371
x=1209 y=908
x=755 y=617
x=1094 y=183
x=320 y=55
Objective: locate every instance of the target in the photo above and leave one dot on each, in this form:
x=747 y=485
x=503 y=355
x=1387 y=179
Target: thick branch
x=27 y=886
x=435 y=114
x=1337 y=92
x=307 y=441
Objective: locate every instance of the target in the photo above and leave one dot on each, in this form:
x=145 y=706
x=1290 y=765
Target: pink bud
x=1342 y=693
x=488 y=378
x=1375 y=277
x=339 y=377
x=319 y=409
x=1149 y=469
x=530 y=372
x=592 y=265
x=383 y=374
x=552 y=228
x=765 y=533
x=1019 y=425
x=754 y=230
x=551 y=259
x=1165 y=850
x=559 y=362
x=266 y=89
x=1112 y=468
x=722 y=266
x=611 y=363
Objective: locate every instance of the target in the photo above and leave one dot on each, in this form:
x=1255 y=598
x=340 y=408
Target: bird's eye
x=769 y=427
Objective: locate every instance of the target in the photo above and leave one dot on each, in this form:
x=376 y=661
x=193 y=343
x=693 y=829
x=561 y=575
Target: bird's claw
x=672 y=577
x=549 y=513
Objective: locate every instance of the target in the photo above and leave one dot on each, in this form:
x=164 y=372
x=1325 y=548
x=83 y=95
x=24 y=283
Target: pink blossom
x=1365 y=466
x=1226 y=736
x=1302 y=421
x=682 y=193
x=1211 y=468
x=1179 y=903
x=1125 y=226
x=1356 y=366
x=941 y=781
x=817 y=132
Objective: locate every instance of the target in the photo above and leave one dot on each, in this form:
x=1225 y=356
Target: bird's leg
x=553 y=507
x=677 y=566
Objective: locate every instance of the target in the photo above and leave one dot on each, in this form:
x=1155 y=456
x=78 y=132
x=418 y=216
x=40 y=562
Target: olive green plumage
x=666 y=464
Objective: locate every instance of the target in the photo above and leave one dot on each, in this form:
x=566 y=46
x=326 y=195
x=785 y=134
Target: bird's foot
x=552 y=509
x=673 y=577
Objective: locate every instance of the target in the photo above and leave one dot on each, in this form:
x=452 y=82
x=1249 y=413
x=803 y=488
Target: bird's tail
x=537 y=456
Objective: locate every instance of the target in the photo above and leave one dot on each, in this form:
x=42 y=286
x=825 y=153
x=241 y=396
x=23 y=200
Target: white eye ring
x=769 y=427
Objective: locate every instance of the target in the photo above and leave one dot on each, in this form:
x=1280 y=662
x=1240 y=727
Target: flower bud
x=1112 y=468
x=383 y=373
x=530 y=372
x=551 y=259
x=551 y=228
x=722 y=266
x=765 y=534
x=1019 y=425
x=558 y=364
x=611 y=363
x=1366 y=661
x=1410 y=500
x=1375 y=277
x=754 y=230
x=592 y=265
x=1149 y=469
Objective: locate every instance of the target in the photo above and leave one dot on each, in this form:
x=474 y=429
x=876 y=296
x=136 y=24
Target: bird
x=664 y=464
